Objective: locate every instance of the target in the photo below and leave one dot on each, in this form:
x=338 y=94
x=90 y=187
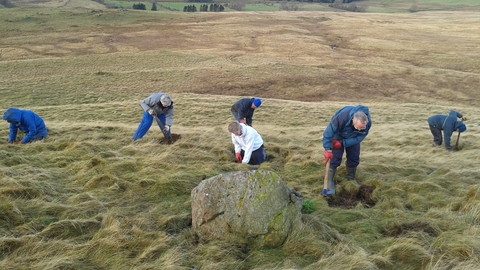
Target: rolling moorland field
x=90 y=198
x=372 y=6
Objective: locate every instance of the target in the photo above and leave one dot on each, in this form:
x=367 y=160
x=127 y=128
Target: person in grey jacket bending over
x=158 y=105
x=248 y=144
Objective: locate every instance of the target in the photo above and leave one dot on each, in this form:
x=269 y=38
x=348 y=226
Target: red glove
x=20 y=142
x=327 y=155
x=242 y=121
x=238 y=157
x=336 y=144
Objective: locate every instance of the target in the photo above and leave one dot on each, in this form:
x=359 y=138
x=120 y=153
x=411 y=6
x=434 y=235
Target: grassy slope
x=89 y=198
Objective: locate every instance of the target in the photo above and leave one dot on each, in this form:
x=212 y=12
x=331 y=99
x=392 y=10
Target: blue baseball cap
x=257 y=102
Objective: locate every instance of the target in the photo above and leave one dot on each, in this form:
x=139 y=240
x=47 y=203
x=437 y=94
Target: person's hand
x=336 y=144
x=238 y=157
x=327 y=155
x=151 y=112
x=20 y=142
x=242 y=121
x=166 y=129
x=464 y=118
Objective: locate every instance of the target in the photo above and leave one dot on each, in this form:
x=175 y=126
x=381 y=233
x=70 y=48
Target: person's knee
x=353 y=163
x=353 y=160
x=258 y=157
x=256 y=161
x=335 y=162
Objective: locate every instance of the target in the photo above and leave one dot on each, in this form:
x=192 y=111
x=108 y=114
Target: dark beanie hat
x=257 y=102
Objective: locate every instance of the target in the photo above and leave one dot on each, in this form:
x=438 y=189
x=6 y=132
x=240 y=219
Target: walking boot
x=351 y=175
x=330 y=182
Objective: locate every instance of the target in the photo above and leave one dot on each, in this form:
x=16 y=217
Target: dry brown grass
x=58 y=4
x=424 y=57
x=421 y=57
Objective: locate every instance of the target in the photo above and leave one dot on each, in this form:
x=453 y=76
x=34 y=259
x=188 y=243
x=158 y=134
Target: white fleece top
x=249 y=141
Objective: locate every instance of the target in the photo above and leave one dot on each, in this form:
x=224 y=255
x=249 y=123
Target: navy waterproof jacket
x=447 y=123
x=341 y=127
x=243 y=109
x=28 y=122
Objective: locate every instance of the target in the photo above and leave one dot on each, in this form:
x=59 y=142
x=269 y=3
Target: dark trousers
x=437 y=135
x=353 y=156
x=258 y=156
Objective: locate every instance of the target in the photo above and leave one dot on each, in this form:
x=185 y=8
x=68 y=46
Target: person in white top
x=248 y=144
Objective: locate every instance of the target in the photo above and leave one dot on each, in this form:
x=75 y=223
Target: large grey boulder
x=253 y=208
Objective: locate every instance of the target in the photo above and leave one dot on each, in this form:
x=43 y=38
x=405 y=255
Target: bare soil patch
x=348 y=200
x=413 y=226
x=172 y=140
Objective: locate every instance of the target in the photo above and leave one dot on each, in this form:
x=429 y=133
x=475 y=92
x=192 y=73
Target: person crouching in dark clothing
x=447 y=123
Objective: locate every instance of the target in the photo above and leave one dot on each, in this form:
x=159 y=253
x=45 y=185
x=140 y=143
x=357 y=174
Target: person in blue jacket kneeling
x=28 y=122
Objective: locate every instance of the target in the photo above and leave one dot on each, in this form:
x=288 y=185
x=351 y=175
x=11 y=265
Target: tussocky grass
x=90 y=198
x=122 y=203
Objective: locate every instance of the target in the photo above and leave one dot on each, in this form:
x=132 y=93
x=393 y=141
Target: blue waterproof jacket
x=447 y=123
x=243 y=109
x=28 y=122
x=341 y=127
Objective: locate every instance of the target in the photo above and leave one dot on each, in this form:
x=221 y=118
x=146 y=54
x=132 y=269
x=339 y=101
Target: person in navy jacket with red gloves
x=347 y=129
x=28 y=122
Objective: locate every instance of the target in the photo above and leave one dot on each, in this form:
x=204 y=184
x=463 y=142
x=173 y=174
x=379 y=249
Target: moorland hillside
x=90 y=198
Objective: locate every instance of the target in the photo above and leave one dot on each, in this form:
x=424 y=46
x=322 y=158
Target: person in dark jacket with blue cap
x=448 y=123
x=28 y=122
x=347 y=129
x=243 y=109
